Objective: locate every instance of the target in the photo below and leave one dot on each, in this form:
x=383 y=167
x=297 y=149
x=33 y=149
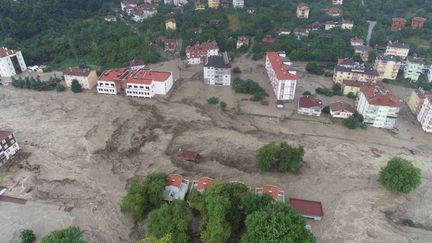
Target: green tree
x=27 y=236
x=351 y=122
x=314 y=68
x=223 y=105
x=400 y=175
x=237 y=70
x=266 y=156
x=282 y=157
x=76 y=86
x=142 y=197
x=372 y=56
x=171 y=219
x=60 y=88
x=252 y=202
x=71 y=234
x=152 y=239
x=278 y=222
x=213 y=100
x=326 y=109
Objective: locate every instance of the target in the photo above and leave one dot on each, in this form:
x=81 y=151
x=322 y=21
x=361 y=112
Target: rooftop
x=415 y=60
x=187 y=155
x=303 y=6
x=112 y=75
x=218 y=61
x=379 y=96
x=282 y=70
x=5 y=134
x=4 y=52
x=309 y=101
x=341 y=106
x=174 y=180
x=203 y=184
x=74 y=71
x=398 y=45
x=273 y=191
x=306 y=207
x=363 y=48
x=143 y=76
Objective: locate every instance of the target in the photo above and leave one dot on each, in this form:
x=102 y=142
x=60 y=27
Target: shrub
x=249 y=87
x=314 y=68
x=307 y=93
x=355 y=121
x=324 y=91
x=71 y=234
x=76 y=86
x=237 y=70
x=400 y=175
x=60 y=88
x=326 y=109
x=27 y=236
x=213 y=100
x=223 y=105
x=337 y=89
x=351 y=95
x=282 y=157
x=408 y=222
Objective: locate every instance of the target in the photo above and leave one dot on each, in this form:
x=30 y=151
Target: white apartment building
x=146 y=83
x=8 y=146
x=283 y=78
x=425 y=115
x=397 y=49
x=86 y=78
x=413 y=68
x=196 y=54
x=110 y=82
x=238 y=3
x=11 y=62
x=378 y=106
x=217 y=70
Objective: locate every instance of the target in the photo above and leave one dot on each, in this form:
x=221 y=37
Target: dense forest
x=73 y=32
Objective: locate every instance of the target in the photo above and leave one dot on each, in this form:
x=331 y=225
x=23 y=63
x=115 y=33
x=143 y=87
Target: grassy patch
x=234 y=22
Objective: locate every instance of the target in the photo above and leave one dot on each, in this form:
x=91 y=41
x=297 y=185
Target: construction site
x=80 y=151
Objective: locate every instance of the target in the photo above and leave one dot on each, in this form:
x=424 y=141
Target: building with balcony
x=425 y=115
x=282 y=76
x=398 y=49
x=197 y=54
x=350 y=70
x=303 y=11
x=217 y=70
x=413 y=68
x=11 y=62
x=378 y=106
x=8 y=146
x=388 y=66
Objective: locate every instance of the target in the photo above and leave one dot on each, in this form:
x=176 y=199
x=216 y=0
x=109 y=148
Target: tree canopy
x=400 y=175
x=277 y=222
x=142 y=197
x=71 y=234
x=282 y=157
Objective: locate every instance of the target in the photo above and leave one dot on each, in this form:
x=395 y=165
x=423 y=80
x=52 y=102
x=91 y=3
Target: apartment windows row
x=138 y=86
x=132 y=92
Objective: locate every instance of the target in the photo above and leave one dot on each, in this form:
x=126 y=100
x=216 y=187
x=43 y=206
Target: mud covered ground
x=84 y=148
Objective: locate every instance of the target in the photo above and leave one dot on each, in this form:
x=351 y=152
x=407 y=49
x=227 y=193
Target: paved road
x=370 y=30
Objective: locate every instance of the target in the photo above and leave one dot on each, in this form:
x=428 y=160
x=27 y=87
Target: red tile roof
x=112 y=75
x=306 y=207
x=352 y=83
x=309 y=101
x=341 y=106
x=204 y=183
x=143 y=76
x=5 y=134
x=243 y=39
x=399 y=20
x=83 y=72
x=188 y=155
x=281 y=69
x=272 y=190
x=4 y=52
x=376 y=95
x=200 y=50
x=174 y=180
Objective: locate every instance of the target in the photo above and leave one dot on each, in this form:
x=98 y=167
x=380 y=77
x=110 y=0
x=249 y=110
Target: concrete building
x=309 y=106
x=282 y=76
x=328 y=25
x=196 y=54
x=11 y=62
x=242 y=41
x=170 y=24
x=418 y=22
x=413 y=68
x=217 y=70
x=277 y=194
x=352 y=86
x=284 y=31
x=8 y=146
x=397 y=49
x=110 y=18
x=347 y=24
x=429 y=74
x=303 y=11
x=333 y=11
x=176 y=188
x=337 y=2
x=111 y=81
x=238 y=3
x=363 y=51
x=388 y=66
x=425 y=115
x=355 y=71
x=86 y=77
x=213 y=3
x=341 y=110
x=398 y=24
x=415 y=101
x=378 y=106
x=179 y=3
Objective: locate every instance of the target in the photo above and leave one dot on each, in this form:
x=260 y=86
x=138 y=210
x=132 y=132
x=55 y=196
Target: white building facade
x=425 y=115
x=196 y=54
x=146 y=84
x=238 y=3
x=8 y=146
x=11 y=62
x=282 y=76
x=217 y=70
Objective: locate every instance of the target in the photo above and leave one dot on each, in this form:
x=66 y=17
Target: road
x=370 y=30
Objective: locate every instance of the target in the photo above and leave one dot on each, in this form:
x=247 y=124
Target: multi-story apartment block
x=388 y=66
x=138 y=83
x=8 y=146
x=238 y=3
x=283 y=78
x=355 y=71
x=379 y=107
x=303 y=11
x=86 y=77
x=363 y=51
x=196 y=54
x=413 y=68
x=213 y=3
x=397 y=49
x=425 y=115
x=11 y=62
x=415 y=101
x=217 y=70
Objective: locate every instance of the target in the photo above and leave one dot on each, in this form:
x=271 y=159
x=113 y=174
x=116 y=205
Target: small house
x=176 y=187
x=273 y=191
x=308 y=209
x=202 y=184
x=341 y=109
x=309 y=105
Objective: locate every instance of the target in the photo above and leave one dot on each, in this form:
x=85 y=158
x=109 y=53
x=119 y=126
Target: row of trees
x=35 y=83
x=249 y=87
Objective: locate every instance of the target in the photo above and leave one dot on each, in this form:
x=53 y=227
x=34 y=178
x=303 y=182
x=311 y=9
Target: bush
x=71 y=234
x=354 y=121
x=337 y=89
x=282 y=157
x=326 y=109
x=400 y=175
x=307 y=93
x=27 y=236
x=60 y=88
x=249 y=87
x=324 y=91
x=351 y=95
x=223 y=105
x=237 y=70
x=76 y=86
x=408 y=222
x=314 y=68
x=213 y=100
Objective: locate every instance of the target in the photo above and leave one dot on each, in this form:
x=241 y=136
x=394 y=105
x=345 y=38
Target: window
x=6 y=146
x=3 y=141
x=10 y=136
x=12 y=141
